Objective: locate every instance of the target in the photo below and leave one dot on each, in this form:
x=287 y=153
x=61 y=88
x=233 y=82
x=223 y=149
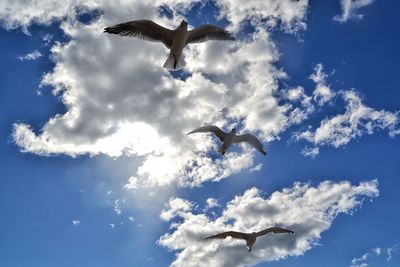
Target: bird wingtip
x=107 y=30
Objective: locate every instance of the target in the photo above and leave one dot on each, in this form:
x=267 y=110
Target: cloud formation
x=31 y=56
x=357 y=120
x=322 y=92
x=350 y=9
x=384 y=254
x=19 y=13
x=120 y=101
x=305 y=209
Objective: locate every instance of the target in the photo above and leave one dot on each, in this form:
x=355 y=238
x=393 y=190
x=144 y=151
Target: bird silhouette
x=250 y=238
x=175 y=40
x=228 y=139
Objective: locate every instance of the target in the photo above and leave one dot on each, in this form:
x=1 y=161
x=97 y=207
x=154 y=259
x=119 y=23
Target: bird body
x=250 y=238
x=228 y=139
x=175 y=40
x=175 y=59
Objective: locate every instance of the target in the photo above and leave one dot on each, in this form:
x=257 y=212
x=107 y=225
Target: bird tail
x=172 y=63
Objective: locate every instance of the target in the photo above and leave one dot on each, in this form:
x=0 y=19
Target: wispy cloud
x=358 y=120
x=76 y=222
x=311 y=152
x=350 y=9
x=384 y=254
x=117 y=206
x=31 y=56
x=322 y=92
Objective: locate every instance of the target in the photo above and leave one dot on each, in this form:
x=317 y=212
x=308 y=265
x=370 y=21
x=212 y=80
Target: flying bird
x=250 y=238
x=228 y=139
x=175 y=40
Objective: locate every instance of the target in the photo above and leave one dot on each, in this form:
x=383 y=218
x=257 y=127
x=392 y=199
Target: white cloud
x=31 y=56
x=290 y=13
x=358 y=120
x=350 y=9
x=132 y=183
x=307 y=210
x=115 y=107
x=311 y=152
x=298 y=113
x=256 y=168
x=322 y=92
x=20 y=13
x=212 y=203
x=47 y=38
x=175 y=207
x=131 y=218
x=381 y=253
x=76 y=222
x=390 y=251
x=117 y=206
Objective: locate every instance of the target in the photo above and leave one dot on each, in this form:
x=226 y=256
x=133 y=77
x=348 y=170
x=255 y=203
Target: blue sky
x=83 y=173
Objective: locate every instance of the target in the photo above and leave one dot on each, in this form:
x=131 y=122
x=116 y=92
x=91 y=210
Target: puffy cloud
x=76 y=222
x=132 y=183
x=20 y=13
x=175 y=207
x=212 y=203
x=120 y=101
x=350 y=8
x=305 y=209
x=290 y=13
x=31 y=56
x=357 y=120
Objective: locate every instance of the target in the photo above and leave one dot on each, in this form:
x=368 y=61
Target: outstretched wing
x=211 y=128
x=252 y=140
x=208 y=32
x=143 y=29
x=233 y=234
x=275 y=230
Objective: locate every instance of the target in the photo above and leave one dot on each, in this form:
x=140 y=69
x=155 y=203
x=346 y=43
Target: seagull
x=250 y=238
x=228 y=139
x=175 y=40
